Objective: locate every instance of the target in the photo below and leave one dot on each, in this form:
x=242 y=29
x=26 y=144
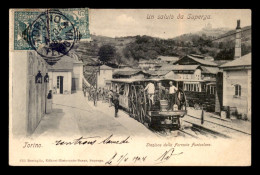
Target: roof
x=169 y=58
x=128 y=69
x=178 y=67
x=65 y=63
x=129 y=72
x=75 y=58
x=210 y=70
x=199 y=60
x=105 y=67
x=202 y=61
x=197 y=56
x=158 y=72
x=126 y=80
x=147 y=62
x=186 y=67
x=220 y=62
x=243 y=61
x=77 y=62
x=123 y=80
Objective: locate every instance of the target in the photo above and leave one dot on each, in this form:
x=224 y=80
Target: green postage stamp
x=74 y=22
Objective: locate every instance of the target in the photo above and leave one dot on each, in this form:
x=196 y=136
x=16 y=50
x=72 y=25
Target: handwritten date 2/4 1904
x=117 y=159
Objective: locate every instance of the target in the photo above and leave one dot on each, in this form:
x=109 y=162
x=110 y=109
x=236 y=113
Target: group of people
x=113 y=98
x=162 y=92
x=102 y=93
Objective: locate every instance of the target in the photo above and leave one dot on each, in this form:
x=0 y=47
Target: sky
x=132 y=22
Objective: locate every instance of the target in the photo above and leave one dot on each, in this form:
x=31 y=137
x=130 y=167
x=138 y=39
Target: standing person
x=49 y=96
x=103 y=94
x=95 y=96
x=84 y=91
x=99 y=92
x=110 y=97
x=89 y=93
x=172 y=91
x=150 y=90
x=161 y=91
x=116 y=103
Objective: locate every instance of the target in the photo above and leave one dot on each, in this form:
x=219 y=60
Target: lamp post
x=46 y=78
x=202 y=116
x=38 y=78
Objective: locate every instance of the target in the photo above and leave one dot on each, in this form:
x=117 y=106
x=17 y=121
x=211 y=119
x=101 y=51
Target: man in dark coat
x=84 y=91
x=116 y=103
x=95 y=96
x=161 y=90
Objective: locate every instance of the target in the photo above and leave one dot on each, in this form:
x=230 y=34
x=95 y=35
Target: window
x=212 y=89
x=198 y=77
x=58 y=82
x=121 y=89
x=117 y=88
x=192 y=87
x=237 y=90
x=126 y=90
x=196 y=87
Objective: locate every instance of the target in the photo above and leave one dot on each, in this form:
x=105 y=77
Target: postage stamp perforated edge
x=23 y=18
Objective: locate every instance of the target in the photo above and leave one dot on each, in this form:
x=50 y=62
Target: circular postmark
x=52 y=35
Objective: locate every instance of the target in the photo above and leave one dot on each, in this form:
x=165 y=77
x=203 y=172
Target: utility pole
x=202 y=116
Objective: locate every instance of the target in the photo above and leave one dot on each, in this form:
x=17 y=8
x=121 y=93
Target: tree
x=118 y=58
x=106 y=53
x=226 y=54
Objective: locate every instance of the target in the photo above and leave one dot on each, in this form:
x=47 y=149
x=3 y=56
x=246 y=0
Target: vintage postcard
x=130 y=87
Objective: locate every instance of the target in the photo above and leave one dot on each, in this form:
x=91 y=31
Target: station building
x=104 y=73
x=237 y=84
x=66 y=76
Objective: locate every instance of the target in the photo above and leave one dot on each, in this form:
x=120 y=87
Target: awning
x=191 y=82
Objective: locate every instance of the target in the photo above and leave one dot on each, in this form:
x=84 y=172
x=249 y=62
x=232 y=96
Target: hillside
x=205 y=32
x=246 y=35
x=133 y=48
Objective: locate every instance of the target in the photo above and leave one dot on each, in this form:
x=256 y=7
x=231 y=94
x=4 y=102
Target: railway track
x=195 y=131
x=187 y=133
x=217 y=133
x=175 y=133
x=192 y=132
x=208 y=132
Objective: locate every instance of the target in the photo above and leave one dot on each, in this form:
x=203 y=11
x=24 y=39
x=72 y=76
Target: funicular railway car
x=200 y=94
x=156 y=114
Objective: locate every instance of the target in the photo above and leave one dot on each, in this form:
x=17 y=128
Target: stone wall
x=28 y=98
